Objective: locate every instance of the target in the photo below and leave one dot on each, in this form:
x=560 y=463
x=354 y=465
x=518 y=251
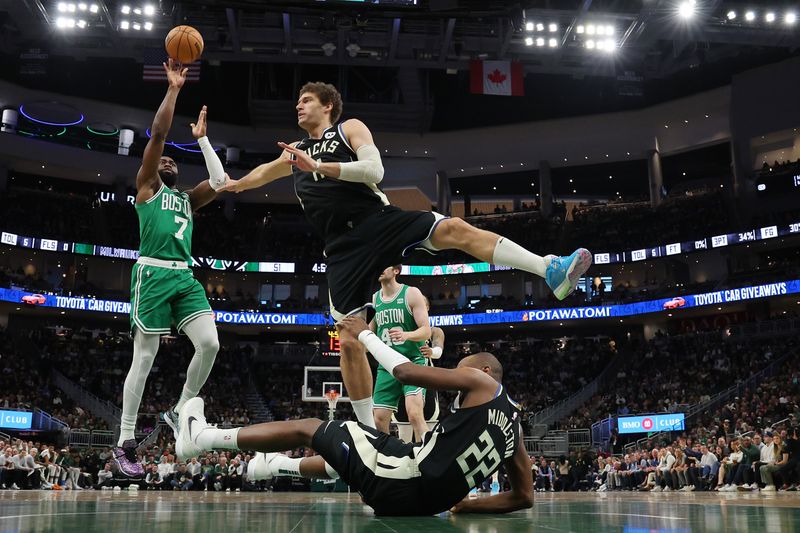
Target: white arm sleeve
x=387 y=357
x=216 y=174
x=436 y=352
x=368 y=168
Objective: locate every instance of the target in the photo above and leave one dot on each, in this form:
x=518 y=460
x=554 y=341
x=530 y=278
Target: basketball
x=184 y=44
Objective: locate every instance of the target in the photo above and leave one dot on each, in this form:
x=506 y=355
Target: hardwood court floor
x=294 y=512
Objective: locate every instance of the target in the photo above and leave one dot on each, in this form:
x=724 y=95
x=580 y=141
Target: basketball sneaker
x=192 y=422
x=125 y=457
x=173 y=420
x=563 y=273
x=259 y=466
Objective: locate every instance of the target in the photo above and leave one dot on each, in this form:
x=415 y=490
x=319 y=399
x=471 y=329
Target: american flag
x=154 y=70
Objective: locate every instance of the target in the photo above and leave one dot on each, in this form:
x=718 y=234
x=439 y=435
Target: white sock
x=509 y=253
x=333 y=474
x=203 y=333
x=212 y=438
x=285 y=466
x=145 y=347
x=363 y=409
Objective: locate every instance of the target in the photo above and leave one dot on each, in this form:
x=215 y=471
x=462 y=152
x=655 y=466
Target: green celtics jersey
x=165 y=226
x=396 y=313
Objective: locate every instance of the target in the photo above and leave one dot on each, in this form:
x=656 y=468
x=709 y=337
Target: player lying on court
x=393 y=477
x=336 y=170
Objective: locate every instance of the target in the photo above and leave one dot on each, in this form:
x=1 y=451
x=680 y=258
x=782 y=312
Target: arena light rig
x=542 y=34
x=137 y=18
x=71 y=15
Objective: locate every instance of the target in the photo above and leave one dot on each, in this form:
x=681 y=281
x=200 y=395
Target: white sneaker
x=689 y=488
x=769 y=488
x=14 y=486
x=192 y=422
x=258 y=468
x=657 y=489
x=667 y=489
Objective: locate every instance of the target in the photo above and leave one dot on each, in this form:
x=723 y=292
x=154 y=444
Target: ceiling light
x=137 y=26
x=528 y=41
x=590 y=44
x=590 y=29
x=125 y=10
x=540 y=27
x=137 y=11
x=610 y=30
x=552 y=43
x=750 y=16
x=790 y=18
x=601 y=45
x=686 y=9
x=610 y=45
x=540 y=41
x=148 y=26
x=62 y=7
x=601 y=30
x=71 y=8
x=81 y=24
x=149 y=10
x=770 y=17
x=553 y=27
x=731 y=15
x=580 y=29
x=94 y=8
x=124 y=25
x=82 y=6
x=529 y=26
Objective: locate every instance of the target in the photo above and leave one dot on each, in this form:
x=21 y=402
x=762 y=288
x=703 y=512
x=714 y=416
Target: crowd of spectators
x=279 y=232
x=679 y=370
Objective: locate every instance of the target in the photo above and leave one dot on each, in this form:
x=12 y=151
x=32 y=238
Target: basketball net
x=332 y=396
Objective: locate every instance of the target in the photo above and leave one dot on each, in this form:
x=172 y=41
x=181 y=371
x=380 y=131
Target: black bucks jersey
x=333 y=206
x=467 y=447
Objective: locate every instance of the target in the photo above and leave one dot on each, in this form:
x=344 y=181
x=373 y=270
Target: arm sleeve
x=216 y=173
x=368 y=168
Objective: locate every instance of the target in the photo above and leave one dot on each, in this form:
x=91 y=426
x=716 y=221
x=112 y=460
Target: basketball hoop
x=332 y=396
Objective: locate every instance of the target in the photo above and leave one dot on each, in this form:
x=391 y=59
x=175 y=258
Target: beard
x=169 y=179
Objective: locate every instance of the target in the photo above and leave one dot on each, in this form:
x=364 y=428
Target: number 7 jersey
x=467 y=447
x=165 y=226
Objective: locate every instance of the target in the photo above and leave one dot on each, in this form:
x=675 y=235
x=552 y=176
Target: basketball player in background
x=393 y=477
x=336 y=171
x=430 y=410
x=163 y=288
x=401 y=321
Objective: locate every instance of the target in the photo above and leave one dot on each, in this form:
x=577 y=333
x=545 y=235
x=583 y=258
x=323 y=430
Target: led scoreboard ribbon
x=740 y=294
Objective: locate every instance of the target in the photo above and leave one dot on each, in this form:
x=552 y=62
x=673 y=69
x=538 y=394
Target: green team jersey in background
x=396 y=313
x=165 y=226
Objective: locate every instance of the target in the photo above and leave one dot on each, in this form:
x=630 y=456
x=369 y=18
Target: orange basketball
x=184 y=44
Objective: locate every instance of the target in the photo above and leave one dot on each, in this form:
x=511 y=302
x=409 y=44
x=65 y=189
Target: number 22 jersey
x=467 y=447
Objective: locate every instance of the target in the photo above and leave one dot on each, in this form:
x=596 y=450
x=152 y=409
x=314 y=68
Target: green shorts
x=161 y=296
x=388 y=390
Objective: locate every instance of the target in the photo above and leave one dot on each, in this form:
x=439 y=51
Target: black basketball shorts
x=380 y=467
x=356 y=258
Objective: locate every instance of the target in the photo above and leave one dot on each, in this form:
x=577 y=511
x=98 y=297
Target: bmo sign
x=650 y=423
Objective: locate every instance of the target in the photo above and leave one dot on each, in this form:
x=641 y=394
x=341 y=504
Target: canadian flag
x=503 y=78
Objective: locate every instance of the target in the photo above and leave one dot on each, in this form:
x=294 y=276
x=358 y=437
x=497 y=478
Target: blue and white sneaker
x=173 y=420
x=563 y=273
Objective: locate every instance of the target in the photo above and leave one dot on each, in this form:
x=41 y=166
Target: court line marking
x=303 y=517
x=622 y=514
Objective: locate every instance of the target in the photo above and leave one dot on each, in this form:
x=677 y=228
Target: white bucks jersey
x=333 y=206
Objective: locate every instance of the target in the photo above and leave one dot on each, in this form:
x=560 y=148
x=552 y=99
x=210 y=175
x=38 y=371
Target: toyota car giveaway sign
x=650 y=423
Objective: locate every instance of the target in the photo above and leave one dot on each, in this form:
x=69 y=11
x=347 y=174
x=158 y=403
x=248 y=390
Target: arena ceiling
x=650 y=38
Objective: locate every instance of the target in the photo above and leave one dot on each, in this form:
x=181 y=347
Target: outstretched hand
x=176 y=73
x=199 y=127
x=301 y=160
x=353 y=325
